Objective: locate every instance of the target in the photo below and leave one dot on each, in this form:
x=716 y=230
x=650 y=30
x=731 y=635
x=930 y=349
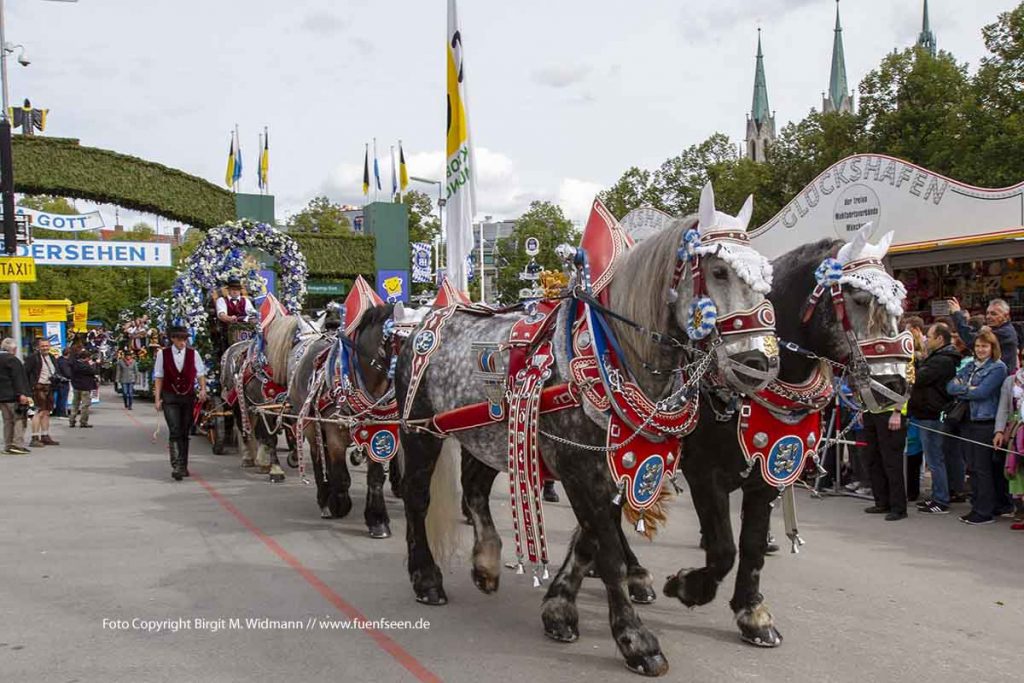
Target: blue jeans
x=128 y=393
x=934 y=445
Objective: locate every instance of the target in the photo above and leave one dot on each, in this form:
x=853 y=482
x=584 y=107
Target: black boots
x=550 y=495
x=177 y=461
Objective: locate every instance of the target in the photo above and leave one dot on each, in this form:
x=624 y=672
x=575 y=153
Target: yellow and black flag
x=366 y=172
x=403 y=171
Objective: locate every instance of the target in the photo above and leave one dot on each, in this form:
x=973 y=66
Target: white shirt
x=46 y=370
x=222 y=306
x=179 y=362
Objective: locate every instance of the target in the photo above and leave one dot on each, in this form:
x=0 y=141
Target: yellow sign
x=81 y=313
x=17 y=269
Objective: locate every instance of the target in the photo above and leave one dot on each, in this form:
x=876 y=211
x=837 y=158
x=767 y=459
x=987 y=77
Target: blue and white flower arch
x=219 y=258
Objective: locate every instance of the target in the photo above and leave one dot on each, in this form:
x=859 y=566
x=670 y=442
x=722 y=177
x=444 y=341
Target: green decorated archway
x=62 y=167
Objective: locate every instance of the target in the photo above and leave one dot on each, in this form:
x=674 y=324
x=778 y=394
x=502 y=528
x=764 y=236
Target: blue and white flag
x=470 y=270
x=420 y=262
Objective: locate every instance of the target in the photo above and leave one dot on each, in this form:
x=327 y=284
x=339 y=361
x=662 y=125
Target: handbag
x=957 y=412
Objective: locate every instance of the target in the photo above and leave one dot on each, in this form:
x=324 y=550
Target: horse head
x=728 y=309
x=851 y=316
x=375 y=344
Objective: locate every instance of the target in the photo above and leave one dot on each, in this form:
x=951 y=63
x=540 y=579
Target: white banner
x=95 y=253
x=63 y=222
x=460 y=203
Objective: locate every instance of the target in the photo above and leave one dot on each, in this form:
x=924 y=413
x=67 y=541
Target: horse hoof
x=648 y=665
x=325 y=512
x=642 y=594
x=563 y=633
x=381 y=530
x=276 y=478
x=487 y=583
x=691 y=587
x=263 y=469
x=248 y=463
x=561 y=620
x=340 y=508
x=766 y=637
x=757 y=627
x=432 y=596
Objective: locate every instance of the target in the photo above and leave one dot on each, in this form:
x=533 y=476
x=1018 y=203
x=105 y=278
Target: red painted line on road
x=383 y=641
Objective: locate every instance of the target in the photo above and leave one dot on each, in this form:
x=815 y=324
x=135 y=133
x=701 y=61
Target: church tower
x=760 y=121
x=926 y=38
x=838 y=98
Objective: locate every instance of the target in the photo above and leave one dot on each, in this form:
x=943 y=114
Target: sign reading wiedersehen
x=96 y=253
x=17 y=269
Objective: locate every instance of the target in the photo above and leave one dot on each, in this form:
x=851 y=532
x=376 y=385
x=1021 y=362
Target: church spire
x=926 y=39
x=838 y=97
x=759 y=108
x=760 y=120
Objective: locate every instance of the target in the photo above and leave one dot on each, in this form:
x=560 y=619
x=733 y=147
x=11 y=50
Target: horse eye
x=720 y=273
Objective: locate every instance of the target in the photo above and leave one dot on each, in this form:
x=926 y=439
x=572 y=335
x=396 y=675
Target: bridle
x=727 y=335
x=867 y=358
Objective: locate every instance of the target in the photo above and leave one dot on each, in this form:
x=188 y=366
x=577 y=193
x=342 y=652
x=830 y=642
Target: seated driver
x=234 y=307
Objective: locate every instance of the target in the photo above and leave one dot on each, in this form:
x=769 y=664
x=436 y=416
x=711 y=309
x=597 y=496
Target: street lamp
x=440 y=210
x=6 y=155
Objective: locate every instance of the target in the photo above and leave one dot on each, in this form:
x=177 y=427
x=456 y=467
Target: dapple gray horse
x=571 y=441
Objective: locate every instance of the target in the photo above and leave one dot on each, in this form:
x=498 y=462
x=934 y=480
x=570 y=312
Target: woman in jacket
x=127 y=374
x=83 y=383
x=979 y=384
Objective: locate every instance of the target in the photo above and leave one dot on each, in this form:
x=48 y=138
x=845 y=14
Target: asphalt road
x=97 y=543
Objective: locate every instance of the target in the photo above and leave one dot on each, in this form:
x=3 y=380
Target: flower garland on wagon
x=220 y=257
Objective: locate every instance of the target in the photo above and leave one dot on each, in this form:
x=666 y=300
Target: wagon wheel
x=218 y=434
x=293 y=459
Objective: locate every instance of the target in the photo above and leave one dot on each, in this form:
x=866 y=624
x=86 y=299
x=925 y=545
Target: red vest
x=236 y=308
x=183 y=382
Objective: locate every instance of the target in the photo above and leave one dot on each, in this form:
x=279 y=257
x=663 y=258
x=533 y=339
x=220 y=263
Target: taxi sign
x=17 y=269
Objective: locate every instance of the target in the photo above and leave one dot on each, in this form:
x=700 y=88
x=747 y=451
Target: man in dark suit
x=42 y=373
x=14 y=393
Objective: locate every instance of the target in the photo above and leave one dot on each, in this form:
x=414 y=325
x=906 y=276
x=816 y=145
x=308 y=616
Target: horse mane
x=280 y=338
x=639 y=289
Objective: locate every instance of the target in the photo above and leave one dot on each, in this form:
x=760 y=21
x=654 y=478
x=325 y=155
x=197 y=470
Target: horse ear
x=852 y=250
x=706 y=213
x=746 y=212
x=885 y=243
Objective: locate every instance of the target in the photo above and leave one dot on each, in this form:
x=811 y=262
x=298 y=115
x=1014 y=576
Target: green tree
x=542 y=220
x=48 y=204
x=322 y=216
x=633 y=190
x=913 y=108
x=424 y=226
x=680 y=179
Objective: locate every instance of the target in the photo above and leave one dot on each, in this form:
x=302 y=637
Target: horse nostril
x=755 y=360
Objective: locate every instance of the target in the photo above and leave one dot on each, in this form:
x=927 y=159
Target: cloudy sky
x=563 y=95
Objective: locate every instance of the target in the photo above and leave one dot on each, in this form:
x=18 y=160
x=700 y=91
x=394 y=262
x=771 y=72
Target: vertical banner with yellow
x=81 y=317
x=460 y=191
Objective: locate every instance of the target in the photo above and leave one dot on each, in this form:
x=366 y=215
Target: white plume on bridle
x=751 y=267
x=874 y=279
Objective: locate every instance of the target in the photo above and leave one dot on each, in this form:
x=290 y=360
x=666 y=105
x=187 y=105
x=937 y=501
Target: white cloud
x=576 y=197
x=323 y=23
x=560 y=75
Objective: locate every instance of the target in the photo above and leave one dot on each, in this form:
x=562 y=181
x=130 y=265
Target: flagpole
x=238 y=156
x=401 y=195
x=266 y=180
x=259 y=156
x=376 y=172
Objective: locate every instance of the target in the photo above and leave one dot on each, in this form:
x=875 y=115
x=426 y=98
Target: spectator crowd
x=963 y=424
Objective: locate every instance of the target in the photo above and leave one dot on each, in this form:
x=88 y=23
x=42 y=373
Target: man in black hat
x=176 y=370
x=234 y=307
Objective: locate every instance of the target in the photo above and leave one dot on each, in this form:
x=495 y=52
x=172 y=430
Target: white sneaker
x=852 y=486
x=863 y=491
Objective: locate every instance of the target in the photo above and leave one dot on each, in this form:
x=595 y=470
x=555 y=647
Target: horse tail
x=442 y=522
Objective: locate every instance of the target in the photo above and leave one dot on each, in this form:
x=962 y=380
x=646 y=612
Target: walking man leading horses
x=176 y=370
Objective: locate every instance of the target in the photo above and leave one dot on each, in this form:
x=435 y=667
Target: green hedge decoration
x=337 y=255
x=60 y=166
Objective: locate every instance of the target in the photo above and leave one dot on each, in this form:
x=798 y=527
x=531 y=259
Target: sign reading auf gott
x=96 y=253
x=17 y=269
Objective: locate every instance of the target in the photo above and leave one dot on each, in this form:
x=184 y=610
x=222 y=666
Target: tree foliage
x=321 y=216
x=547 y=223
